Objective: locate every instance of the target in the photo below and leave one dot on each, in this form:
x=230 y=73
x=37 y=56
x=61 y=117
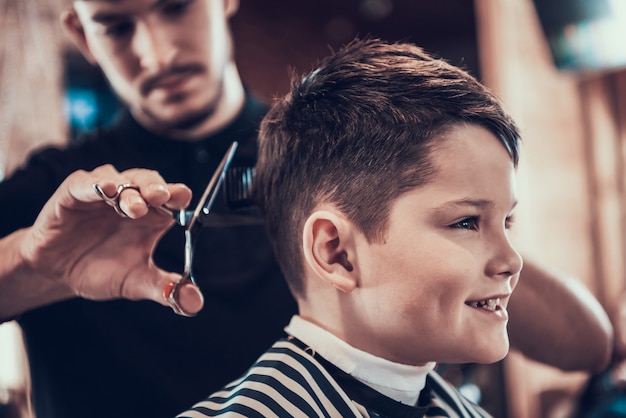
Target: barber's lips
x=171 y=84
x=172 y=80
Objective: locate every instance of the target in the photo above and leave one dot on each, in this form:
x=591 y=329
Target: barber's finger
x=153 y=187
x=79 y=185
x=180 y=196
x=173 y=195
x=135 y=202
x=103 y=188
x=156 y=191
x=132 y=203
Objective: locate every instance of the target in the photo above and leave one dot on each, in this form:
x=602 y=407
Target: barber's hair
x=357 y=132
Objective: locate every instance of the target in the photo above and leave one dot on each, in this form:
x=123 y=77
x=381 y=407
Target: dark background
x=274 y=36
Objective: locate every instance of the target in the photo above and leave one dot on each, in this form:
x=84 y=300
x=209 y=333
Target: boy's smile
x=438 y=284
x=493 y=305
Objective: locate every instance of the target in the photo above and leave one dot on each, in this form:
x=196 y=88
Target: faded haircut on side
x=357 y=132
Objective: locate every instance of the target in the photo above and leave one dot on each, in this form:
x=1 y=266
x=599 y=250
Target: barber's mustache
x=154 y=80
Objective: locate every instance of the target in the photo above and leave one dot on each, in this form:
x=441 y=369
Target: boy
x=387 y=182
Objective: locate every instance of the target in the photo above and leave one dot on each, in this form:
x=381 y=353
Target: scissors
x=190 y=220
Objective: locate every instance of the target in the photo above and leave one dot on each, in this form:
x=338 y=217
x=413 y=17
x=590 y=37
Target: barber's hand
x=82 y=244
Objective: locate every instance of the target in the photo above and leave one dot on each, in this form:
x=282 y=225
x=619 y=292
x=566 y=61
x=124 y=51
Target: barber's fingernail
x=167 y=290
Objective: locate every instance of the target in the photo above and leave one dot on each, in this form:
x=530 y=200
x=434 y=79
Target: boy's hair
x=357 y=132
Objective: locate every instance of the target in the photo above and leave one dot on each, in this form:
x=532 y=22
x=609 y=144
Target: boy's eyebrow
x=106 y=17
x=476 y=203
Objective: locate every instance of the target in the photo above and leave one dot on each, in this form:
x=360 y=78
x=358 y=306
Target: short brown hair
x=358 y=131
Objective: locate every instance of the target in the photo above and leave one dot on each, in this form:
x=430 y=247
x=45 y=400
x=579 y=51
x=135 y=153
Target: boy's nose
x=507 y=261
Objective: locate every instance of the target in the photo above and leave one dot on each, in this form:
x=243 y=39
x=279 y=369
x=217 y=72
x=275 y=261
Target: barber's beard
x=188 y=121
x=185 y=123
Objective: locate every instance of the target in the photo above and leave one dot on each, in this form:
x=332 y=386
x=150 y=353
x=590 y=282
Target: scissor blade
x=208 y=197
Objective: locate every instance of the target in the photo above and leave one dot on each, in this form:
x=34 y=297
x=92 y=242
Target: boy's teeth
x=489 y=304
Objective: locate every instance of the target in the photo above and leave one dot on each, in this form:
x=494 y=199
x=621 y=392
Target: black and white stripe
x=291 y=381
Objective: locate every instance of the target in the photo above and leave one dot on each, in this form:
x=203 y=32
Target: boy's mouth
x=492 y=304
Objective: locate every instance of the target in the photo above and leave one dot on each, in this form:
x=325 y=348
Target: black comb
x=238 y=186
x=236 y=190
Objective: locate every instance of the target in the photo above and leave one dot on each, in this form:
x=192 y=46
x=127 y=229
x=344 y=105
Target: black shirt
x=139 y=359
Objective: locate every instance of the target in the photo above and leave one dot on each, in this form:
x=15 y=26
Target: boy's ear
x=74 y=29
x=329 y=249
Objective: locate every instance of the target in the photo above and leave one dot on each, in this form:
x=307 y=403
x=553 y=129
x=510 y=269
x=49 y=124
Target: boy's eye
x=509 y=221
x=470 y=223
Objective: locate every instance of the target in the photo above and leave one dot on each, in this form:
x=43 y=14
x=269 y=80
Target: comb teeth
x=238 y=187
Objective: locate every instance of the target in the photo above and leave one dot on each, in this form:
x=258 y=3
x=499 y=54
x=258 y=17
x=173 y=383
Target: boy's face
x=436 y=288
x=164 y=58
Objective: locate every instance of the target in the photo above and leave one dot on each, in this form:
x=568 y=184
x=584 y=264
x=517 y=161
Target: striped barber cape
x=291 y=380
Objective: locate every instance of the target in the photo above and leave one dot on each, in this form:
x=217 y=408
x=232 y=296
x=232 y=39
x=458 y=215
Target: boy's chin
x=492 y=354
x=478 y=354
x=486 y=351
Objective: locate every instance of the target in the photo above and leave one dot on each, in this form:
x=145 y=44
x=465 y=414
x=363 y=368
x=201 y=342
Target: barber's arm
x=556 y=320
x=80 y=247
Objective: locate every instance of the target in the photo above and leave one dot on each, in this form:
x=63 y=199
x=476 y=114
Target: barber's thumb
x=189 y=298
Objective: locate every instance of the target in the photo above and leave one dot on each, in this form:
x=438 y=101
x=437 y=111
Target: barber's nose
x=153 y=47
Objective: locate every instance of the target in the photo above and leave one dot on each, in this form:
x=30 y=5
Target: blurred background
x=558 y=66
